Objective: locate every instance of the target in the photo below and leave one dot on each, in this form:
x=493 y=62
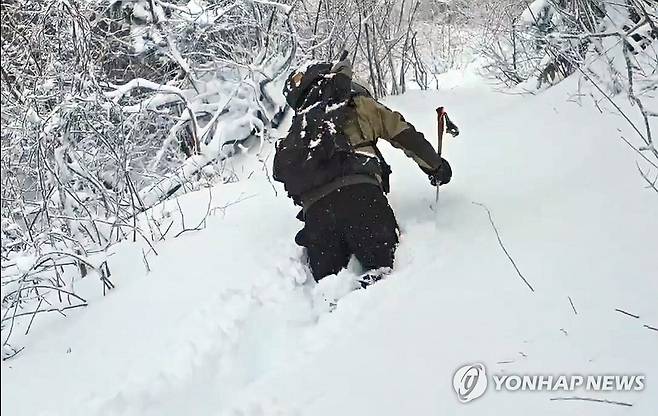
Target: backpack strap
x=386 y=168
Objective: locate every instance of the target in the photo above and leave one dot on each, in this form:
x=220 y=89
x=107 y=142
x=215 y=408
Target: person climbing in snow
x=330 y=166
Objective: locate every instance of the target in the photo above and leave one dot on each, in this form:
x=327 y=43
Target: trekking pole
x=443 y=124
x=440 y=127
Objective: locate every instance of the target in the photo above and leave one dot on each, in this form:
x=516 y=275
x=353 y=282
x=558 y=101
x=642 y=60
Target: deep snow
x=227 y=323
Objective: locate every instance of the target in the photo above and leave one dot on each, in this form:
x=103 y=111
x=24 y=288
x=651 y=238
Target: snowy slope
x=227 y=323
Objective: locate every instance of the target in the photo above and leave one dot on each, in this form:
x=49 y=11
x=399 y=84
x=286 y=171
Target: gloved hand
x=441 y=175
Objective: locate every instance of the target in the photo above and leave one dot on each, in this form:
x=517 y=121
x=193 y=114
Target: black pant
x=355 y=219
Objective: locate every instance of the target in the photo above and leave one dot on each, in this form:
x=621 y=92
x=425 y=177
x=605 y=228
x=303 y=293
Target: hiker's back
x=319 y=147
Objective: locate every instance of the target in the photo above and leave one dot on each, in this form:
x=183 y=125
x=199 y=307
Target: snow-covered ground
x=227 y=322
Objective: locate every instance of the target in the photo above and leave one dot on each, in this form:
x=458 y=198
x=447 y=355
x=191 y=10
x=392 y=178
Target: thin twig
x=14 y=353
x=651 y=183
x=575 y=312
x=590 y=399
x=627 y=313
x=639 y=152
x=36 y=310
x=58 y=310
x=500 y=242
x=146 y=262
x=203 y=220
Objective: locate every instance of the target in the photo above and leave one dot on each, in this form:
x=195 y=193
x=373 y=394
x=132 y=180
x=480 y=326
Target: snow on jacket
x=375 y=121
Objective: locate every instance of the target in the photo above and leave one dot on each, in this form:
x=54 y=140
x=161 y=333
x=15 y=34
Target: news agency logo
x=470 y=382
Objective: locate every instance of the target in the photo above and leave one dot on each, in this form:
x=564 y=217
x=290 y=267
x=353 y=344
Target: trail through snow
x=228 y=323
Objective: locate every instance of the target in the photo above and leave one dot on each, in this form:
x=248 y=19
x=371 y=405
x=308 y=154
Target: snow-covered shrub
x=515 y=38
x=110 y=107
x=497 y=40
x=441 y=41
x=547 y=40
x=612 y=45
x=222 y=57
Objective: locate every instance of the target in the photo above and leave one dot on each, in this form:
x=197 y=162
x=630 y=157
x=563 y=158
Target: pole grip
x=440 y=115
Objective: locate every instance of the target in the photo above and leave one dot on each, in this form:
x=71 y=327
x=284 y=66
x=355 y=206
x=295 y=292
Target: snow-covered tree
x=110 y=107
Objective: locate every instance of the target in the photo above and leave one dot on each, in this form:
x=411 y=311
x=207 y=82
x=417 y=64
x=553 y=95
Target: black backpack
x=316 y=149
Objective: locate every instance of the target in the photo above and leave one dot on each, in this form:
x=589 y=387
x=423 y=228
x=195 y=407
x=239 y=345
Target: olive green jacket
x=375 y=121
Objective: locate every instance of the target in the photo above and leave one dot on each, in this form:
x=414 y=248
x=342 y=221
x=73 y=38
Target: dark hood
x=295 y=94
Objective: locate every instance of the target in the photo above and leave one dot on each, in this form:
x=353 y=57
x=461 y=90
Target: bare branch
x=502 y=246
